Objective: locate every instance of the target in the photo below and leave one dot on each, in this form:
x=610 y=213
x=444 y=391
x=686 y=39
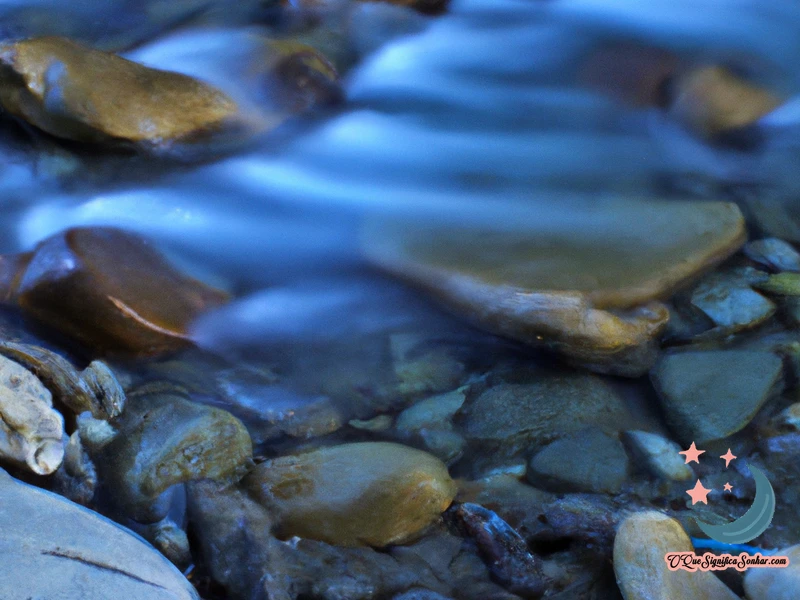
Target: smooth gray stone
x=52 y=548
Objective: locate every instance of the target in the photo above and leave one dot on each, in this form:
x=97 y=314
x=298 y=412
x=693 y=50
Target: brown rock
x=110 y=290
x=642 y=541
x=373 y=493
x=712 y=100
x=81 y=94
x=580 y=279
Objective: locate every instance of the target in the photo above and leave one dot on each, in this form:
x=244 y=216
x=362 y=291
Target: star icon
x=698 y=493
x=692 y=454
x=728 y=456
x=727 y=487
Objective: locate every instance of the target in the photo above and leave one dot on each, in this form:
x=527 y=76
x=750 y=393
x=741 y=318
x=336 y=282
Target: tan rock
x=373 y=493
x=775 y=584
x=641 y=543
x=111 y=290
x=31 y=431
x=581 y=279
x=713 y=100
x=81 y=94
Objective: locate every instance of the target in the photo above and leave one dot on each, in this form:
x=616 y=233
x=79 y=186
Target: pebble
x=111 y=290
x=508 y=419
x=429 y=423
x=709 y=395
x=586 y=461
x=371 y=493
x=729 y=301
x=566 y=283
x=775 y=584
x=658 y=455
x=782 y=284
x=773 y=253
x=53 y=548
x=640 y=545
x=31 y=430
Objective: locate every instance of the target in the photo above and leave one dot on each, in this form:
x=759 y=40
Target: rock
x=773 y=253
x=376 y=424
x=75 y=92
x=561 y=277
x=165 y=440
x=429 y=424
x=510 y=418
x=76 y=479
x=421 y=368
x=712 y=100
x=728 y=300
x=372 y=493
x=587 y=461
x=658 y=455
x=503 y=550
x=642 y=541
x=781 y=284
x=430 y=7
x=31 y=431
x=775 y=584
x=111 y=290
x=82 y=554
x=709 y=395
x=420 y=594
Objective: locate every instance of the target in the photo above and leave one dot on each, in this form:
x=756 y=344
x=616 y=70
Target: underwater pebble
x=728 y=300
x=774 y=253
x=658 y=455
x=775 y=584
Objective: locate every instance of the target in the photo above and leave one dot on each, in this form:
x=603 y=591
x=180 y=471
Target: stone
x=53 y=548
x=78 y=93
x=709 y=395
x=713 y=100
x=429 y=424
x=76 y=478
x=729 y=301
x=421 y=368
x=562 y=277
x=775 y=584
x=503 y=550
x=31 y=430
x=587 y=461
x=782 y=284
x=510 y=418
x=642 y=541
x=658 y=455
x=111 y=290
x=773 y=253
x=370 y=493
x=164 y=440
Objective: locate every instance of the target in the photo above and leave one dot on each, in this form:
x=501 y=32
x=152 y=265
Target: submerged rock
x=729 y=301
x=75 y=92
x=774 y=253
x=373 y=493
x=775 y=584
x=658 y=455
x=510 y=418
x=53 y=548
x=165 y=440
x=709 y=395
x=111 y=290
x=781 y=284
x=31 y=431
x=642 y=541
x=566 y=279
x=587 y=461
x=713 y=100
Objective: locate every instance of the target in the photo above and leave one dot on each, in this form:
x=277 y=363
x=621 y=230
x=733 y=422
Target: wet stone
x=709 y=395
x=31 y=430
x=111 y=290
x=590 y=460
x=82 y=554
x=658 y=455
x=781 y=284
x=775 y=584
x=774 y=253
x=78 y=93
x=642 y=541
x=728 y=300
x=508 y=419
x=549 y=285
x=371 y=493
x=429 y=423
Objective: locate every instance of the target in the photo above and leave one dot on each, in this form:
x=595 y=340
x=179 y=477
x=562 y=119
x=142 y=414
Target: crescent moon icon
x=752 y=523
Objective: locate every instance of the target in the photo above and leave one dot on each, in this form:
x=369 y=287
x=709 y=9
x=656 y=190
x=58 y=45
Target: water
x=473 y=115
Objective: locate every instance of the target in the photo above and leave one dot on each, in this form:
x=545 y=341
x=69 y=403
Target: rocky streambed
x=349 y=300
